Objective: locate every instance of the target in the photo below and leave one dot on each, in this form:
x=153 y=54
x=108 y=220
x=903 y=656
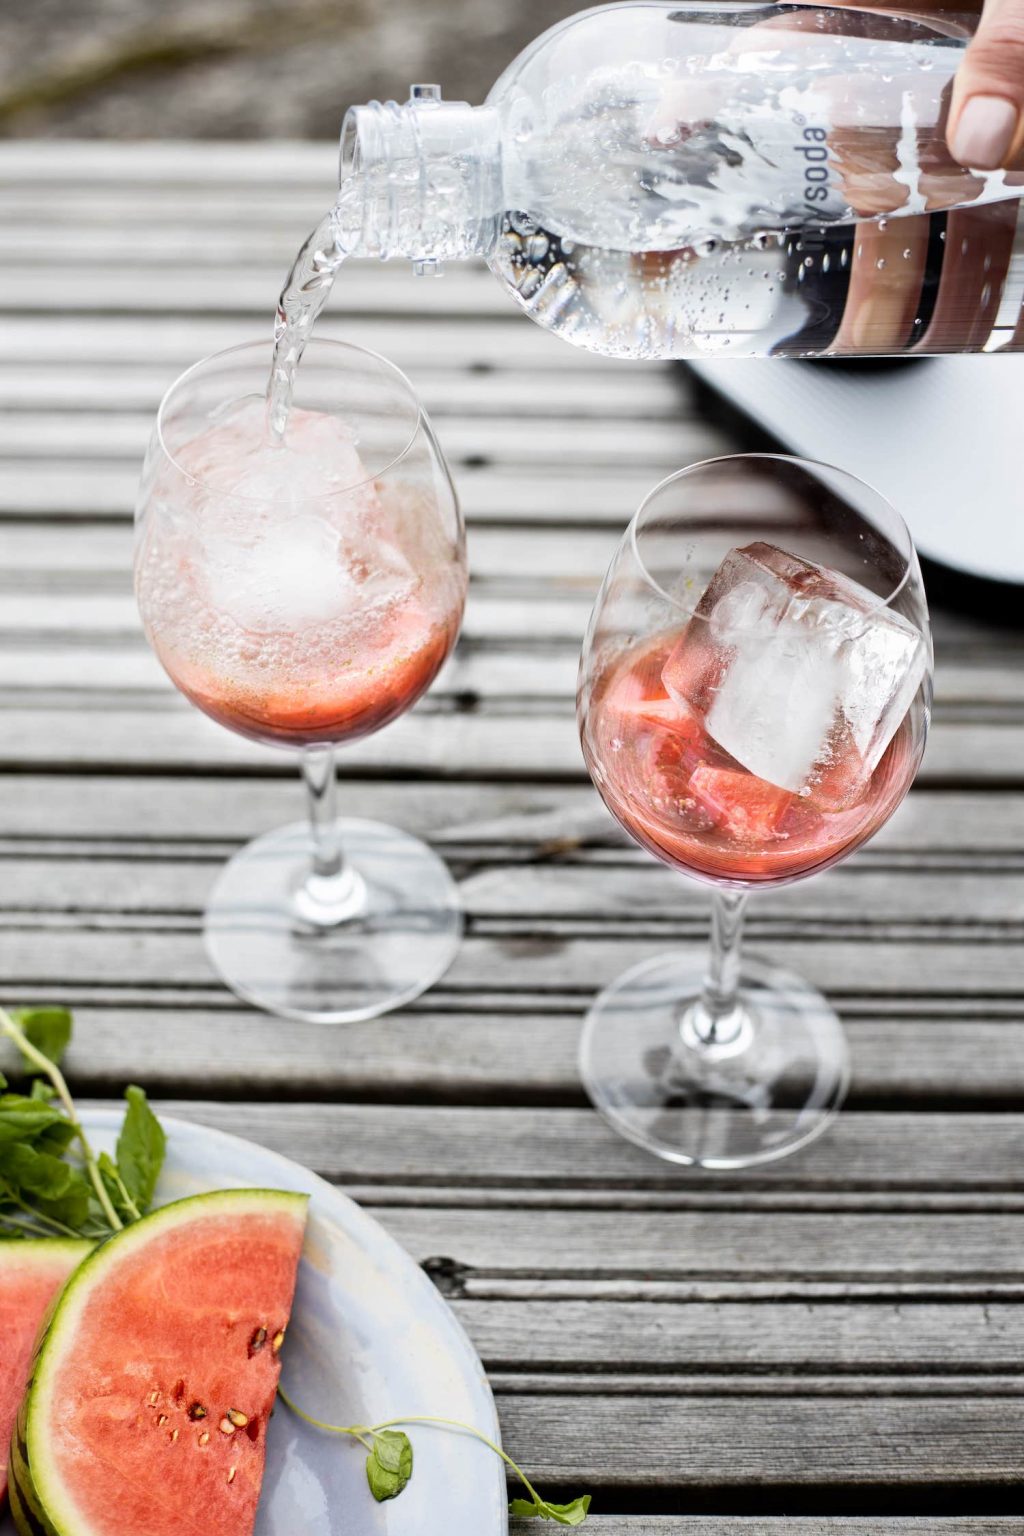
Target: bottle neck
x=420 y=180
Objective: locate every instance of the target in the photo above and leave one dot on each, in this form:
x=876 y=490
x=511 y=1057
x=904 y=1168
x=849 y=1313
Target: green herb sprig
x=389 y=1461
x=52 y=1184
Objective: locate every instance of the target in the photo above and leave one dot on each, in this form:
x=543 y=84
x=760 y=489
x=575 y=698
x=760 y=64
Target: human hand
x=986 y=119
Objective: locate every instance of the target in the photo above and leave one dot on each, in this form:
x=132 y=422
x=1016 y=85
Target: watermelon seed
x=252 y=1429
x=238 y=1419
x=197 y=1411
x=278 y=1341
x=204 y=1437
x=174 y=1435
x=226 y=1427
x=257 y=1341
x=152 y=1399
x=231 y=1475
x=162 y=1419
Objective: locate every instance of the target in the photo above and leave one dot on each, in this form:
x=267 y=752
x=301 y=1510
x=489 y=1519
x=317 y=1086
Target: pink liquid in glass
x=284 y=604
x=680 y=795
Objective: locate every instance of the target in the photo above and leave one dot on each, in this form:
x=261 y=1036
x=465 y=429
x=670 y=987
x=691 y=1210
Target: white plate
x=369 y=1338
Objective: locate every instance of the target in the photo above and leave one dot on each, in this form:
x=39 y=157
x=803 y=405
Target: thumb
x=986 y=119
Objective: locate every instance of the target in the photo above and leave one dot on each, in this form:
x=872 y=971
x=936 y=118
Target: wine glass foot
x=401 y=938
x=759 y=1095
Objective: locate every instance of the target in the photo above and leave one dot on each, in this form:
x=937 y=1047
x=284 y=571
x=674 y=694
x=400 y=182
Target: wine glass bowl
x=305 y=593
x=754 y=697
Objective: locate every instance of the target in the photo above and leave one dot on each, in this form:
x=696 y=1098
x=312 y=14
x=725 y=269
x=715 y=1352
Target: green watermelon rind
x=43 y=1250
x=53 y=1255
x=35 y=1506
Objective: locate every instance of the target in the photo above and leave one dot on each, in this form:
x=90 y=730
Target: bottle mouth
x=420 y=180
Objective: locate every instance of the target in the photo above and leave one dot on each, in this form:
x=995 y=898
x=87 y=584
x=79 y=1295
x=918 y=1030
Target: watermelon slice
x=148 y=1407
x=748 y=808
x=31 y=1274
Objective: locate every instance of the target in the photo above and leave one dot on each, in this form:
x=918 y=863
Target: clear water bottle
x=655 y=180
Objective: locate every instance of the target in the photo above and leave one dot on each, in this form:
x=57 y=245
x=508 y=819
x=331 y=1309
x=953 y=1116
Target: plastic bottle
x=671 y=179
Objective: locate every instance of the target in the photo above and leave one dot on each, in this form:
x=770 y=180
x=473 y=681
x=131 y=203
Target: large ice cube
x=288 y=537
x=295 y=573
x=797 y=672
x=287 y=576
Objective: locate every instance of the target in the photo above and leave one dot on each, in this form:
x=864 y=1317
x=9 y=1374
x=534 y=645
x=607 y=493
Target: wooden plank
x=165 y=239
x=824 y=1525
x=544 y=613
x=551 y=969
x=824 y=1338
x=647 y=895
x=174 y=206
x=202 y=809
x=526 y=392
x=587 y=895
x=545 y=618
x=48 y=162
x=708 y=1442
x=245 y=289
x=558 y=565
x=520 y=558
x=536 y=818
x=499 y=1055
x=563 y=1148
x=90 y=489
x=177 y=341
x=651 y=444
x=499 y=659
x=779 y=1251
x=431 y=740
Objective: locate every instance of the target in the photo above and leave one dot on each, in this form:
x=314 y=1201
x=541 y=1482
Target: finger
x=976 y=261
x=886 y=277
x=986 y=119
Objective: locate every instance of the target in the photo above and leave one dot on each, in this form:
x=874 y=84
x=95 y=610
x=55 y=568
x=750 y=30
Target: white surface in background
x=942 y=439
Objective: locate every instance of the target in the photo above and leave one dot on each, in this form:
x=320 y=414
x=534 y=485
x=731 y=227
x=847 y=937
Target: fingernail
x=985 y=132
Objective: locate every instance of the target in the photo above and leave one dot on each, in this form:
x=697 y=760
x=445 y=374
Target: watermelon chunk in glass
x=744 y=806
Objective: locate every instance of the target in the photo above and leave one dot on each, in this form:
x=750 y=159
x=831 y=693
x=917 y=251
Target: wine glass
x=754 y=697
x=304 y=594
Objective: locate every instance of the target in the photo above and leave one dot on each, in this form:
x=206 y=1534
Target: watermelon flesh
x=148 y=1408
x=31 y=1274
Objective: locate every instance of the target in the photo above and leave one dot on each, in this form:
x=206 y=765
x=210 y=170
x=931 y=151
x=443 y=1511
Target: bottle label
x=812 y=149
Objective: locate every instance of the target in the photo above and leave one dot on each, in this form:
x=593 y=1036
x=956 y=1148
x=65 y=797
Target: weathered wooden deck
x=834 y=1338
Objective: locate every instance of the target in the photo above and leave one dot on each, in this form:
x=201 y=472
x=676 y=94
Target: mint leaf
x=140 y=1149
x=23 y=1119
x=73 y=1208
x=389 y=1464
x=562 y=1514
x=35 y=1173
x=44 y=1182
x=48 y=1029
x=56 y=1138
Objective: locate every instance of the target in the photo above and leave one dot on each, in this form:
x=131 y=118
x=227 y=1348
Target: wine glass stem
x=318 y=772
x=332 y=892
x=717 y=1020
